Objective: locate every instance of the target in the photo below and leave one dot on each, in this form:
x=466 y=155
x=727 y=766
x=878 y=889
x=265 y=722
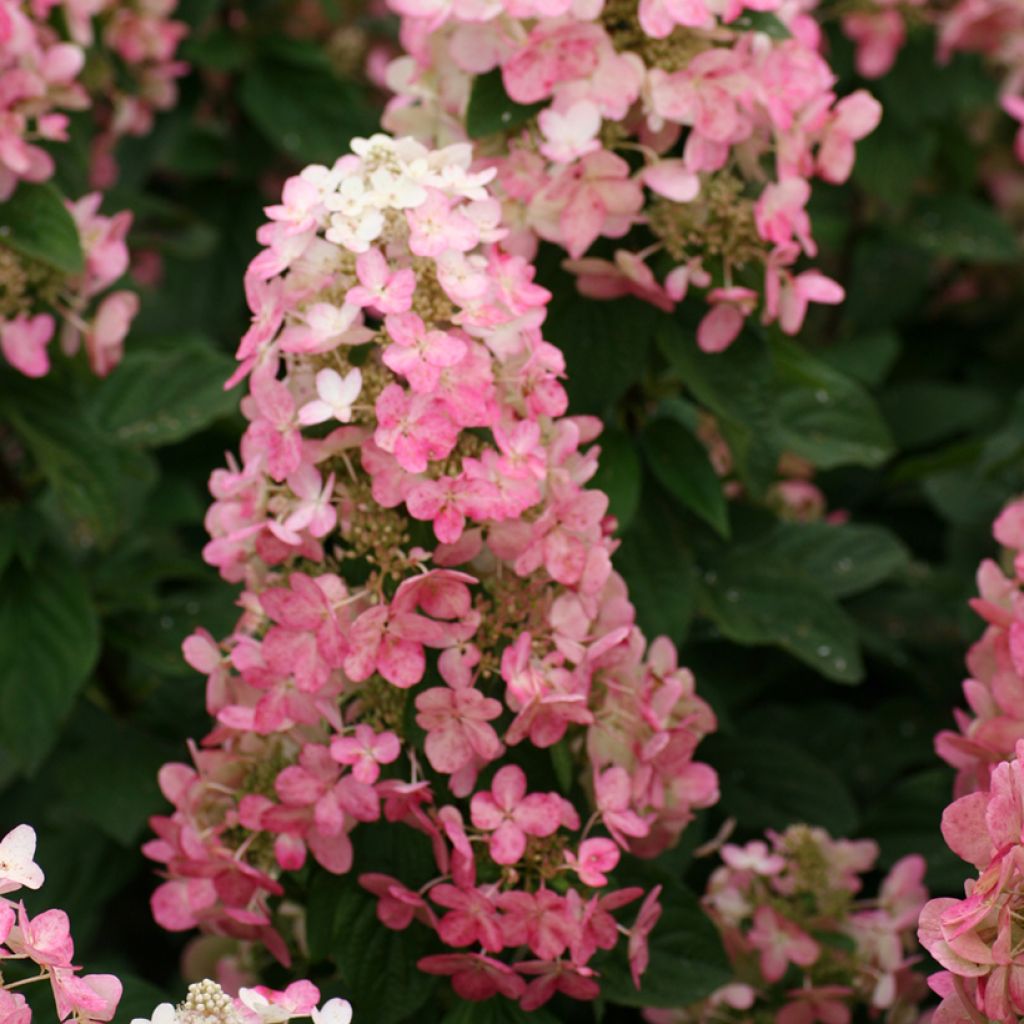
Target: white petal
x=17 y=849
x=335 y=1011
x=315 y=412
x=351 y=386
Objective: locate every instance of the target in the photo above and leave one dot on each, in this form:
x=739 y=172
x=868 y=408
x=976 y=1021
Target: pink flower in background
x=23 y=342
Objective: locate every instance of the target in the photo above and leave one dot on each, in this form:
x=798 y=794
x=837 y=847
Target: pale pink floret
x=779 y=943
x=729 y=309
x=23 y=342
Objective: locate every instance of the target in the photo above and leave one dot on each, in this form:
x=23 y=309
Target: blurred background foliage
x=828 y=635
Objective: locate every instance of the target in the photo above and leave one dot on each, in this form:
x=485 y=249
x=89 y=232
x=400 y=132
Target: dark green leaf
x=35 y=222
x=823 y=415
x=866 y=357
x=754 y=598
x=108 y=772
x=842 y=559
x=605 y=346
x=681 y=464
x=496 y=1011
x=736 y=385
x=618 y=475
x=659 y=568
x=158 y=396
x=907 y=821
x=562 y=763
x=770 y=783
x=762 y=21
x=305 y=111
x=50 y=638
x=491 y=111
x=921 y=412
x=96 y=487
x=963 y=228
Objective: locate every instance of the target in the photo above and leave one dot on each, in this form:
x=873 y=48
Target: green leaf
x=158 y=396
x=681 y=464
x=754 y=598
x=762 y=21
x=824 y=415
x=605 y=345
x=922 y=412
x=963 y=228
x=108 y=773
x=305 y=111
x=49 y=634
x=496 y=1011
x=771 y=783
x=906 y=822
x=562 y=763
x=618 y=475
x=491 y=111
x=96 y=487
x=687 y=961
x=866 y=357
x=220 y=50
x=36 y=223
x=842 y=559
x=889 y=163
x=736 y=385
x=377 y=965
x=658 y=566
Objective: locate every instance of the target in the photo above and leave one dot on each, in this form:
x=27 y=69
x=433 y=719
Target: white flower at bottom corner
x=334 y=1011
x=165 y=1013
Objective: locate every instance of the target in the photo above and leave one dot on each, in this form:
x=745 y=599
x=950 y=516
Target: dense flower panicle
x=804 y=943
x=123 y=41
x=678 y=127
x=977 y=939
x=44 y=941
x=988 y=732
x=428 y=591
x=40 y=305
x=41 y=81
x=208 y=1003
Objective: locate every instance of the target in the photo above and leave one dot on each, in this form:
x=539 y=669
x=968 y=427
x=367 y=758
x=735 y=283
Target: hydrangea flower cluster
x=208 y=1003
x=992 y=28
x=43 y=941
x=803 y=945
x=987 y=734
x=125 y=50
x=675 y=125
x=123 y=41
x=977 y=939
x=39 y=302
x=428 y=599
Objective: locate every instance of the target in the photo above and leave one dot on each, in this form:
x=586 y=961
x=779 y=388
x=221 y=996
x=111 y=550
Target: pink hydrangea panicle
x=428 y=594
x=734 y=126
x=789 y=913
